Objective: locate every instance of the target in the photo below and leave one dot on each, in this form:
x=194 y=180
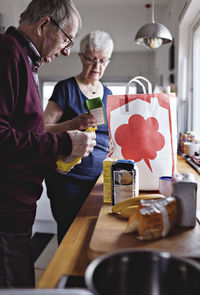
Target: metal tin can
x=185 y=192
x=125 y=180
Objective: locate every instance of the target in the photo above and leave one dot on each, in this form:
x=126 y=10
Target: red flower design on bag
x=140 y=139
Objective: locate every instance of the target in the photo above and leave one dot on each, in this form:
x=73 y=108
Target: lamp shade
x=153 y=35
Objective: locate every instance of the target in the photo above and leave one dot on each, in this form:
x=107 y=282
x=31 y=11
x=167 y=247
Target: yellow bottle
x=64 y=166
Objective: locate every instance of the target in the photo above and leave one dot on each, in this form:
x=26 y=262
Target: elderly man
x=46 y=30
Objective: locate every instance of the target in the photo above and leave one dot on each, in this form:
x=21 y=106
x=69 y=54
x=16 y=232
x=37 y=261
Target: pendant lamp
x=153 y=35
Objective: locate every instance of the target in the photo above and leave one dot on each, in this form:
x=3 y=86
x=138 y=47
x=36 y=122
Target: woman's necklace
x=93 y=91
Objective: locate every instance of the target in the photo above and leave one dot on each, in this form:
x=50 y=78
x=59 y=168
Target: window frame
x=195 y=74
x=44 y=80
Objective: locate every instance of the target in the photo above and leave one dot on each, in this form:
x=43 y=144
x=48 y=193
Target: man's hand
x=82 y=143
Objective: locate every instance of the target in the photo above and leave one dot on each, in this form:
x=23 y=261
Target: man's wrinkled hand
x=82 y=143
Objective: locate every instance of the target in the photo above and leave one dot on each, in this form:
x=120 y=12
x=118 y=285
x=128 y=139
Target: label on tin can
x=124 y=180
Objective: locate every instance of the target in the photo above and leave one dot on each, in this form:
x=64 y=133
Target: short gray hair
x=96 y=40
x=59 y=10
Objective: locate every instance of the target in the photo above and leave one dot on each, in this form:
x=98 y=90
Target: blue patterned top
x=69 y=97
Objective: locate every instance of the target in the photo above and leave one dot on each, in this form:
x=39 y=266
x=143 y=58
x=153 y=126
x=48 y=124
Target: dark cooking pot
x=138 y=272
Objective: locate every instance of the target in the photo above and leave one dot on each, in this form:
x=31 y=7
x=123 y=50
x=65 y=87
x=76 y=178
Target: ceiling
x=121 y=18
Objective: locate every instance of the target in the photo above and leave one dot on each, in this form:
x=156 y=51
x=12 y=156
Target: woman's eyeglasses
x=94 y=61
x=70 y=43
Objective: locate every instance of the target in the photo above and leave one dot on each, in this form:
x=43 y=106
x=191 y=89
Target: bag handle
x=137 y=80
x=148 y=83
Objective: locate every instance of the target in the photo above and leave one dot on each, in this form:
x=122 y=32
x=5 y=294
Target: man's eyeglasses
x=70 y=43
x=94 y=61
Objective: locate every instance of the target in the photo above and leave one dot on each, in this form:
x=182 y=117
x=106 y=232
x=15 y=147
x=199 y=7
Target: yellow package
x=107 y=179
x=62 y=166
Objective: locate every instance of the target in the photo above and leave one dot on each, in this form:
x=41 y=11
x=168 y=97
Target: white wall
x=121 y=21
x=170 y=18
x=10 y=11
x=123 y=67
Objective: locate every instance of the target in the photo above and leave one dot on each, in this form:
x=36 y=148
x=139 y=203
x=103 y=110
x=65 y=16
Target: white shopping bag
x=143 y=127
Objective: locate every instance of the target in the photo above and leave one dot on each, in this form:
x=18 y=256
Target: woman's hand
x=82 y=122
x=53 y=113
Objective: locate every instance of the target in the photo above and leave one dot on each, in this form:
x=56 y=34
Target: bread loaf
x=153 y=219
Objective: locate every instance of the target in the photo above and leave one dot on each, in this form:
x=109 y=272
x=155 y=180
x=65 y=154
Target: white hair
x=62 y=11
x=96 y=40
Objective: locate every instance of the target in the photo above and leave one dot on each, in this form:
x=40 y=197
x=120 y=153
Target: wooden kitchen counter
x=71 y=257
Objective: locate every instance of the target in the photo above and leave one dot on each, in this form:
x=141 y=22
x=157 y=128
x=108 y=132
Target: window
x=47 y=89
x=116 y=88
x=196 y=75
x=120 y=88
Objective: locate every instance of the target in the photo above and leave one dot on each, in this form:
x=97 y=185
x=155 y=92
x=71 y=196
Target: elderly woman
x=66 y=111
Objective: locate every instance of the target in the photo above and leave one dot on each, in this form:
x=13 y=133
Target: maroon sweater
x=27 y=152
